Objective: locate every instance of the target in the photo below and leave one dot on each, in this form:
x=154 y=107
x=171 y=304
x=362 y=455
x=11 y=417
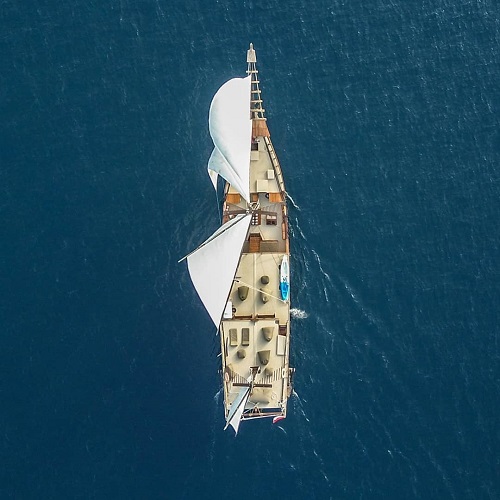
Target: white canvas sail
x=213 y=265
x=216 y=164
x=231 y=130
x=213 y=176
x=237 y=408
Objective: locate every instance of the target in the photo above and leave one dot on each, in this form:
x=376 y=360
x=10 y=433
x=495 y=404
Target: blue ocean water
x=385 y=115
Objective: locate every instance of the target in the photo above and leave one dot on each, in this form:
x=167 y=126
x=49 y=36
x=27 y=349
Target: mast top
x=251 y=57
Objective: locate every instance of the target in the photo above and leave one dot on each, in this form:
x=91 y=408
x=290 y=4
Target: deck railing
x=276 y=165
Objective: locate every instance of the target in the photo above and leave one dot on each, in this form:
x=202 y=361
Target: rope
x=261 y=291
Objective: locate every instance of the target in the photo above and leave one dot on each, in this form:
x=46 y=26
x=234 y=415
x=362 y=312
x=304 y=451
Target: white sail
x=213 y=176
x=213 y=265
x=231 y=130
x=237 y=408
x=216 y=164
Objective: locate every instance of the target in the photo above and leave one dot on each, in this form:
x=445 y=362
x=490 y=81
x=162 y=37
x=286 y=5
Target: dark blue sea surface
x=386 y=118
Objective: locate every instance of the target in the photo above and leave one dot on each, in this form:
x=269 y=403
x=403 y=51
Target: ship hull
x=255 y=331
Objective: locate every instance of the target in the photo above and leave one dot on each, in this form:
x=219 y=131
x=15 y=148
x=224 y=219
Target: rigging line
x=271 y=207
x=217 y=198
x=217 y=233
x=261 y=291
x=276 y=262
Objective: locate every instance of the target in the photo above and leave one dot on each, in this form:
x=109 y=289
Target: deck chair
x=245 y=336
x=233 y=337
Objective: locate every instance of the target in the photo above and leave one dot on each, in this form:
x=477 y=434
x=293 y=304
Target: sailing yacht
x=242 y=272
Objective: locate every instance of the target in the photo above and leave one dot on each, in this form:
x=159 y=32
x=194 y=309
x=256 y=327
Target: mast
x=259 y=125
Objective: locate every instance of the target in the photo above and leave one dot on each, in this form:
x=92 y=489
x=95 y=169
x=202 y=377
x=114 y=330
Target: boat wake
x=294 y=226
x=309 y=437
x=293 y=201
x=298 y=313
x=217 y=397
x=366 y=311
